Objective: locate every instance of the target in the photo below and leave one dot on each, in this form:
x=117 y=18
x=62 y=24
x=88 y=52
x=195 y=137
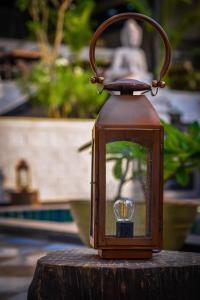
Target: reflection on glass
x=126 y=189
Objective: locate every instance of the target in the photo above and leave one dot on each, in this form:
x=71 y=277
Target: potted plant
x=181 y=156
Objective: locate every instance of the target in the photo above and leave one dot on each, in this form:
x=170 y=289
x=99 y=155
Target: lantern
x=24 y=194
x=22 y=176
x=127 y=135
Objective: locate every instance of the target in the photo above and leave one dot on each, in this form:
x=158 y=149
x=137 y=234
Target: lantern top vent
x=127 y=86
x=22 y=164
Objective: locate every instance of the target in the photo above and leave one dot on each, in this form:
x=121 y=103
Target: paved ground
x=18 y=257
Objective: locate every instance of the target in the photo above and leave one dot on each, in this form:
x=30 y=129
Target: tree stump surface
x=79 y=274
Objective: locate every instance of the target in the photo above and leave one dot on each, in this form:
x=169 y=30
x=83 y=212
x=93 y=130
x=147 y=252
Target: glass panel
x=92 y=188
x=127 y=190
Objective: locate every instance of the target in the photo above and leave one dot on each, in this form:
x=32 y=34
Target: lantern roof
x=127 y=110
x=22 y=164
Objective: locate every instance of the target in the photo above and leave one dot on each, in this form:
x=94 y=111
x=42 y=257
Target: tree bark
x=79 y=274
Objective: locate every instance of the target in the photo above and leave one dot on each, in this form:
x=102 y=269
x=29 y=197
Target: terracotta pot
x=178 y=218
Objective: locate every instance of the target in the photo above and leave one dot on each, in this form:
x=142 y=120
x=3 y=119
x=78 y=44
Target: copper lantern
x=126 y=213
x=23 y=194
x=23 y=179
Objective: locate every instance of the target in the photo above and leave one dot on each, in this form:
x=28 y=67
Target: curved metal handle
x=97 y=78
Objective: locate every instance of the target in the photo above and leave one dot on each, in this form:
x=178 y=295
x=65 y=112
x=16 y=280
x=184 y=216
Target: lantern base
x=24 y=198
x=125 y=253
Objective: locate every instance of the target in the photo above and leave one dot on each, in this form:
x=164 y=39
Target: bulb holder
x=124 y=229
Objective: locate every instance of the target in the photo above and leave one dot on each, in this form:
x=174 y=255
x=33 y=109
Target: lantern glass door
x=128 y=211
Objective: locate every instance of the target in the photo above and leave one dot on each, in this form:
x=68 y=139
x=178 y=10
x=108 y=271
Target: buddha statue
x=129 y=59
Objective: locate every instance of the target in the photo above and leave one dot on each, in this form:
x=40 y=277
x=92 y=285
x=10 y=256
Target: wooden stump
x=79 y=274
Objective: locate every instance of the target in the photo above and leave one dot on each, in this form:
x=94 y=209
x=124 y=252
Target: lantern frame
x=152 y=139
x=23 y=166
x=23 y=195
x=128 y=118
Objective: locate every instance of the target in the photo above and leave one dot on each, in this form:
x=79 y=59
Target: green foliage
x=43 y=18
x=181 y=152
x=64 y=91
x=124 y=149
x=77 y=20
x=22 y=4
x=141 y=6
x=77 y=25
x=121 y=152
x=177 y=16
x=183 y=76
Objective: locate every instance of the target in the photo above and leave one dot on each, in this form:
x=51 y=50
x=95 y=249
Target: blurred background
x=47 y=111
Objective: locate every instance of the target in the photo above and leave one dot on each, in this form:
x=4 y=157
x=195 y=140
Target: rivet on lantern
x=128 y=133
x=155 y=83
x=96 y=79
x=162 y=84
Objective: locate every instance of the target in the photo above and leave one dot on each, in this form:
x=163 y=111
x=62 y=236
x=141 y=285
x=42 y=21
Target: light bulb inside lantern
x=124 y=209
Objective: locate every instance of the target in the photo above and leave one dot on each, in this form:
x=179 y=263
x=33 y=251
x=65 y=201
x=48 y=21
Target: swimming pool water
x=54 y=215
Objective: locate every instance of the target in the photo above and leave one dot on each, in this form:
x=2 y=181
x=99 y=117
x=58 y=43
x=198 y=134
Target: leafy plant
x=181 y=152
x=142 y=6
x=181 y=156
x=123 y=154
x=47 y=25
x=62 y=90
x=66 y=92
x=77 y=28
x=183 y=76
x=177 y=16
x=56 y=21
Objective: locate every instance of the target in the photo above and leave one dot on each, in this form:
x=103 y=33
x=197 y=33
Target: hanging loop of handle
x=98 y=78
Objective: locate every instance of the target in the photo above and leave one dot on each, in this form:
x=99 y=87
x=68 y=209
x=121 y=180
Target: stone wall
x=50 y=147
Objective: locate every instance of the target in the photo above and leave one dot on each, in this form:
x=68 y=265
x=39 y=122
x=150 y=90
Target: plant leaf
x=182 y=176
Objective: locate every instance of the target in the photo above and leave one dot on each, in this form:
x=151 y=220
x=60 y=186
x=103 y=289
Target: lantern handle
x=98 y=78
